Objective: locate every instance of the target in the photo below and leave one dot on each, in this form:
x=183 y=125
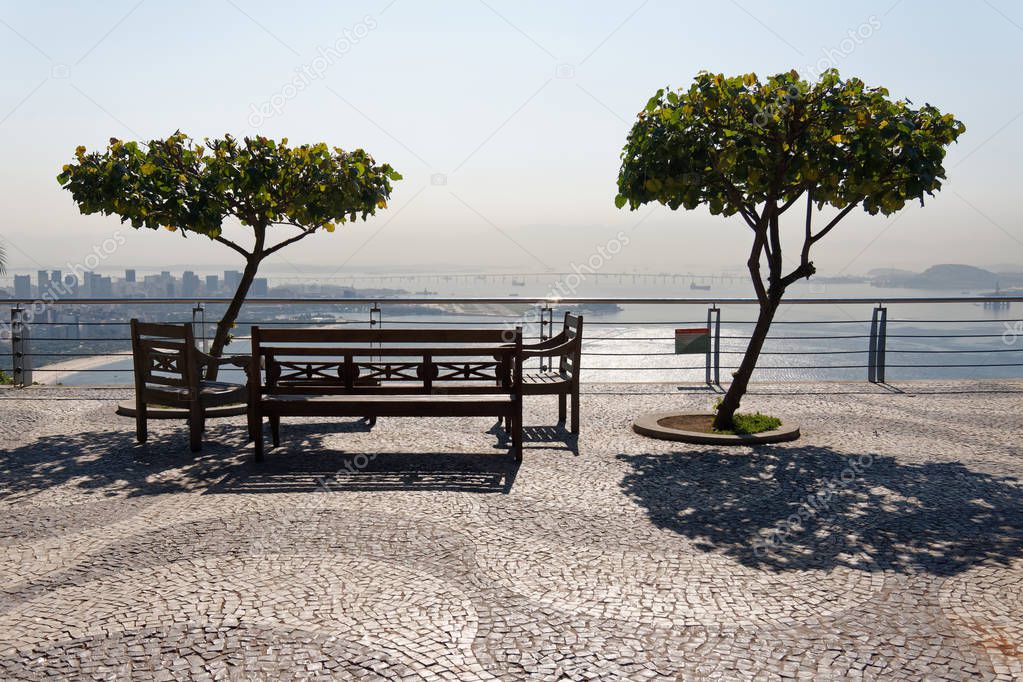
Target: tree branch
x=788 y=204
x=775 y=258
x=827 y=228
x=802 y=272
x=749 y=215
x=291 y=240
x=754 y=266
x=806 y=267
x=808 y=239
x=228 y=242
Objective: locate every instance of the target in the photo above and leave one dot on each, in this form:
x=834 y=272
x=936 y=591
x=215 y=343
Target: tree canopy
x=181 y=184
x=733 y=143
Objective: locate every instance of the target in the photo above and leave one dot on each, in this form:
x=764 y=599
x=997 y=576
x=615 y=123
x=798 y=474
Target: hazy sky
x=506 y=118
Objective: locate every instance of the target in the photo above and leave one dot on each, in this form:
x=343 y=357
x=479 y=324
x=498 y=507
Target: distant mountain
x=890 y=272
x=948 y=277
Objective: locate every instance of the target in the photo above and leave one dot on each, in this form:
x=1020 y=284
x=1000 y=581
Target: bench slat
x=390 y=351
x=495 y=336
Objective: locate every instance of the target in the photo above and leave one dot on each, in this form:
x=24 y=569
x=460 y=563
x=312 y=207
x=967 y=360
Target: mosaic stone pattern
x=887 y=543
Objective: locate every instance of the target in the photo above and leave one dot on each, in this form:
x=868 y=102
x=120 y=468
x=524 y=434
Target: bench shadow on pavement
x=111 y=463
x=538 y=438
x=286 y=470
x=304 y=462
x=800 y=508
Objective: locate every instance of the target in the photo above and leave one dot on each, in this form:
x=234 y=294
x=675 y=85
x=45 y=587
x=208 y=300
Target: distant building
x=129 y=275
x=232 y=278
x=260 y=287
x=42 y=282
x=98 y=286
x=70 y=287
x=212 y=284
x=22 y=286
x=189 y=283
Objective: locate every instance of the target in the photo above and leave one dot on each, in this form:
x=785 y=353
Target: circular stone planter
x=128 y=410
x=651 y=425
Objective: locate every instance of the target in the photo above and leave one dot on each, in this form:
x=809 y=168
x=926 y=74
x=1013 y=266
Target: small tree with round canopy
x=190 y=187
x=739 y=145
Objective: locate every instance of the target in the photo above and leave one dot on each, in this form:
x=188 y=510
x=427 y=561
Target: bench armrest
x=548 y=343
x=242 y=361
x=552 y=351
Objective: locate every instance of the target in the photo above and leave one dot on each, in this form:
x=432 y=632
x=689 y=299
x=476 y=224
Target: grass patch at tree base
x=751 y=423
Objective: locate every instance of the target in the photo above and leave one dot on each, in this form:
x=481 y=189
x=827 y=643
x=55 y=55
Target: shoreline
x=57 y=372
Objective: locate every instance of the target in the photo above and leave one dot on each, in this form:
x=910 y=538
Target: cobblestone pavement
x=886 y=543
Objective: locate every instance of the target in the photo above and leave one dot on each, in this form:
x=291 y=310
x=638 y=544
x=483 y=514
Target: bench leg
x=141 y=425
x=251 y=426
x=562 y=407
x=275 y=430
x=195 y=419
x=257 y=441
x=516 y=434
x=575 y=411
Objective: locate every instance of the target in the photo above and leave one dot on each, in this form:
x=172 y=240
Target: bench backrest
x=395 y=361
x=572 y=331
x=164 y=354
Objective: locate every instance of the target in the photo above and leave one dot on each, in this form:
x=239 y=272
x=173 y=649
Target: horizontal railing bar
x=981 y=350
x=399 y=321
x=948 y=321
x=804 y=338
x=668 y=339
x=701 y=368
x=662 y=369
x=114 y=354
x=945 y=336
x=1001 y=364
x=882 y=300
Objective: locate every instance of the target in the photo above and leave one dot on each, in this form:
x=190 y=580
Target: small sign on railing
x=694 y=341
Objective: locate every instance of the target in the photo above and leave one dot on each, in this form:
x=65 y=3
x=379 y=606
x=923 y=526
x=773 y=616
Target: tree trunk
x=231 y=314
x=740 y=381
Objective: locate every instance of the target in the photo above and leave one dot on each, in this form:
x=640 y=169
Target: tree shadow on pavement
x=781 y=508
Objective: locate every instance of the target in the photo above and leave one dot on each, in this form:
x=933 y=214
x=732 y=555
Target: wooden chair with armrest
x=561 y=380
x=169 y=372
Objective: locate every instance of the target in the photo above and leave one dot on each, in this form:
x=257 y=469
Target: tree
x=190 y=187
x=756 y=149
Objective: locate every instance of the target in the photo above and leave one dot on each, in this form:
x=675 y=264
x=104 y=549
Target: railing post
x=378 y=320
x=717 y=346
x=713 y=360
x=21 y=351
x=200 y=310
x=546 y=322
x=882 y=342
x=546 y=330
x=876 y=348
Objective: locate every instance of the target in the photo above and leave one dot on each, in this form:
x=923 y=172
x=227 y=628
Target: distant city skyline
x=506 y=120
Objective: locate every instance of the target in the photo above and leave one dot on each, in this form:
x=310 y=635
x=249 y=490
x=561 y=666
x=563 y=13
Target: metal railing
x=39 y=339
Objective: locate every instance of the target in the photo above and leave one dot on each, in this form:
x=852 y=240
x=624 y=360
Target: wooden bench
x=384 y=373
x=560 y=378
